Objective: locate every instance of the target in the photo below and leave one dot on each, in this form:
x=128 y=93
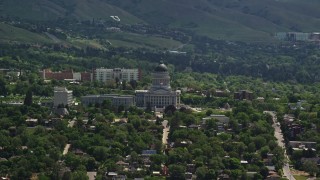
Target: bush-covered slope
x=227 y=19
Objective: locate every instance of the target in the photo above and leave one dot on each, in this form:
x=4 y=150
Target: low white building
x=62 y=96
x=116 y=100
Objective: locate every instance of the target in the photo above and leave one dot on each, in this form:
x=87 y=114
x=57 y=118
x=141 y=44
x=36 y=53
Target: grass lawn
x=138 y=40
x=82 y=43
x=298 y=177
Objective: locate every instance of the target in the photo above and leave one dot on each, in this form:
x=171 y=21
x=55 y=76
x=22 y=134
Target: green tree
x=201 y=172
x=28 y=99
x=133 y=84
x=177 y=172
x=72 y=161
x=100 y=153
x=310 y=167
x=107 y=104
x=209 y=112
x=79 y=175
x=169 y=110
x=124 y=85
x=158 y=159
x=3 y=88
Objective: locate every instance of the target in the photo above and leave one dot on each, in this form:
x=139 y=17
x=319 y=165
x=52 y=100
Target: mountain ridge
x=229 y=19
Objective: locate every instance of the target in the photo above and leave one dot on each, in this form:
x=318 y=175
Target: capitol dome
x=161 y=68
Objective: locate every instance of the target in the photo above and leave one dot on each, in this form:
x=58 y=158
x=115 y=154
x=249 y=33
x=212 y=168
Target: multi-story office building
x=298 y=36
x=62 y=96
x=67 y=74
x=104 y=75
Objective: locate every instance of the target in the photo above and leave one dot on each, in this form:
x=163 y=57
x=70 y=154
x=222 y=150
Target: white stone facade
x=160 y=95
x=62 y=97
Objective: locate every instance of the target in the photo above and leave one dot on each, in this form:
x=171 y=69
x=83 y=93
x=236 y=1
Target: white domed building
x=160 y=95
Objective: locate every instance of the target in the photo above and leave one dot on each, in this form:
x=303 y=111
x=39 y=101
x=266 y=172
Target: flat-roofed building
x=105 y=75
x=62 y=96
x=116 y=100
x=66 y=74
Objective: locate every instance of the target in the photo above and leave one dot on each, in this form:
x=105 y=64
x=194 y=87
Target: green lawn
x=300 y=177
x=82 y=43
x=138 y=40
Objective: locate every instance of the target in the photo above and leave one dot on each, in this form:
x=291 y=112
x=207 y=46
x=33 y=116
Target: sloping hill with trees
x=43 y=10
x=228 y=19
x=11 y=33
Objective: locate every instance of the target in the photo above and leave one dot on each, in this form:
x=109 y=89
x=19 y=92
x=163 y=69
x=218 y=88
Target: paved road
x=278 y=134
x=166 y=130
x=92 y=175
x=71 y=123
x=53 y=37
x=66 y=149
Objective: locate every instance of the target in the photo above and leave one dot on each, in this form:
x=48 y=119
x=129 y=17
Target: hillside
x=11 y=33
x=53 y=9
x=228 y=19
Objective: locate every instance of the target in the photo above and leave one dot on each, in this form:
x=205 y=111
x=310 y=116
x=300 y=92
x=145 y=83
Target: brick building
x=66 y=74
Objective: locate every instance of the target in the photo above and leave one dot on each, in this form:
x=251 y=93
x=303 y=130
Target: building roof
x=149 y=152
x=108 y=96
x=112 y=174
x=32 y=120
x=220 y=118
x=161 y=68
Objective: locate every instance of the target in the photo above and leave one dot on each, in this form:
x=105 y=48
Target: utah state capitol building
x=160 y=95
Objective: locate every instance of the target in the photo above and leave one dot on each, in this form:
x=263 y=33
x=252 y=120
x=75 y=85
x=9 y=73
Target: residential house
x=32 y=122
x=302 y=145
x=273 y=176
x=220 y=93
x=294 y=130
x=191 y=168
x=288 y=119
x=243 y=95
x=222 y=121
x=13 y=131
x=260 y=99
